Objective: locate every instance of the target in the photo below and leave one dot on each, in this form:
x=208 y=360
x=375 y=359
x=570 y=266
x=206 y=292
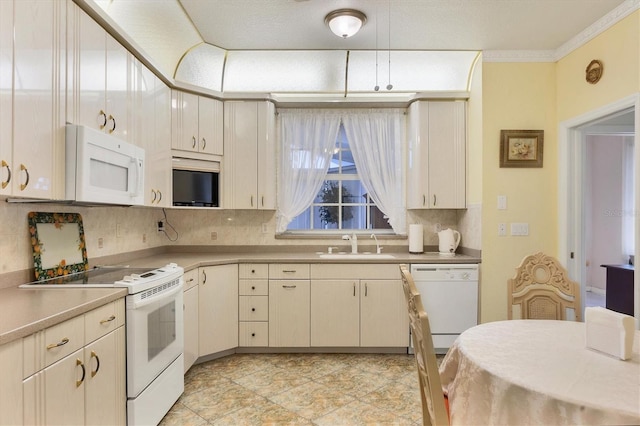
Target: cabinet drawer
x=254 y=308
x=286 y=271
x=254 y=270
x=191 y=279
x=103 y=320
x=253 y=287
x=355 y=271
x=254 y=334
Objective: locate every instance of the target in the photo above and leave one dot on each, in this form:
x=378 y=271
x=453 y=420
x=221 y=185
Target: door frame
x=571 y=169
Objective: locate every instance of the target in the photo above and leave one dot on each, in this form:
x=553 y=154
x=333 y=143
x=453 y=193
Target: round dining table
x=523 y=372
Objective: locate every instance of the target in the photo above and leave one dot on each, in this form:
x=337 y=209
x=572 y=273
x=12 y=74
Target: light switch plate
x=520 y=229
x=502 y=202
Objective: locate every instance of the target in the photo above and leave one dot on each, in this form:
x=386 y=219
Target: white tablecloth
x=538 y=372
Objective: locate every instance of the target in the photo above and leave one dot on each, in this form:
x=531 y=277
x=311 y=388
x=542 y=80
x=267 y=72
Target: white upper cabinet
x=102 y=73
x=249 y=155
x=6 y=91
x=32 y=98
x=436 y=166
x=196 y=124
x=153 y=133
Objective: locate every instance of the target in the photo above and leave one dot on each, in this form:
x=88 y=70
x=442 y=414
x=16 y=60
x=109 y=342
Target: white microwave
x=102 y=169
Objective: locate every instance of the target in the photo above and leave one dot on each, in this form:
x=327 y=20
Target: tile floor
x=300 y=389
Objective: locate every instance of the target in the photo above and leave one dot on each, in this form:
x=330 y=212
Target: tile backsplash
x=115 y=230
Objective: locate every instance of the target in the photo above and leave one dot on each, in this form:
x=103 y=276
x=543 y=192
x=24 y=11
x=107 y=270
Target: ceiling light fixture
x=345 y=22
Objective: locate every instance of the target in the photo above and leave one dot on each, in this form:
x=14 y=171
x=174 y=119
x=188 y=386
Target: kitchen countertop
x=24 y=311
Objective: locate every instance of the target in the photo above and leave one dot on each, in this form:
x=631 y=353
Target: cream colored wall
x=516 y=96
x=619 y=49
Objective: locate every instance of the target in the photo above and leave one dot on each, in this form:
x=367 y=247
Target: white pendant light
x=345 y=22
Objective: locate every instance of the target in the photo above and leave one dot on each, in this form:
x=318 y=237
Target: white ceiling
x=269 y=46
x=415 y=24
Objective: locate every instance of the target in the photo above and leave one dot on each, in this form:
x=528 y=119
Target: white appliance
x=155 y=333
x=448 y=240
x=102 y=169
x=449 y=295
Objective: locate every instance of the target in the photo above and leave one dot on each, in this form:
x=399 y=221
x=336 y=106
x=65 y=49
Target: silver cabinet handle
x=289 y=286
x=289 y=271
x=366 y=289
x=252 y=201
x=153 y=192
x=60 y=343
x=424 y=199
x=354 y=289
x=159 y=195
x=111 y=318
x=204 y=143
x=262 y=201
x=6 y=182
x=434 y=199
x=204 y=277
x=193 y=142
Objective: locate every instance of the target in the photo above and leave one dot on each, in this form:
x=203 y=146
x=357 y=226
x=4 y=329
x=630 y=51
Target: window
x=342 y=201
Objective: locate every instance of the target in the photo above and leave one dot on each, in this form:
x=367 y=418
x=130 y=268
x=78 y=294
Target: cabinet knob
x=253 y=287
x=253 y=309
x=253 y=334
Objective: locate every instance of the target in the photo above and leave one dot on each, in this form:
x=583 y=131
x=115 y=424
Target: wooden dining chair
x=541 y=289
x=434 y=404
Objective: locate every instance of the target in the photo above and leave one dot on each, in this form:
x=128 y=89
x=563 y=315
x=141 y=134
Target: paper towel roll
x=416 y=245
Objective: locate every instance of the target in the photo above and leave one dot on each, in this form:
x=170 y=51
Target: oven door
x=155 y=335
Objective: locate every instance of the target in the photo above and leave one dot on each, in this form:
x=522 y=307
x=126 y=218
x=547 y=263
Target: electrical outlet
x=214 y=235
x=160 y=226
x=100 y=243
x=520 y=229
x=502 y=229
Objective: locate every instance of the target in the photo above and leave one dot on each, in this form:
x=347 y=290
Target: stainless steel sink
x=356 y=256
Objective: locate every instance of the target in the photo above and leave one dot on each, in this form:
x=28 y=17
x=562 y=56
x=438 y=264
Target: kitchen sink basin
x=356 y=256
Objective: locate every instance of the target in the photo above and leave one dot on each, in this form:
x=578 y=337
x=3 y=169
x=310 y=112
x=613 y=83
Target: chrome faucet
x=354 y=242
x=378 y=248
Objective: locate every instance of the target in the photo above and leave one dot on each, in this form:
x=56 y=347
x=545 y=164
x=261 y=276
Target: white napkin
x=609 y=332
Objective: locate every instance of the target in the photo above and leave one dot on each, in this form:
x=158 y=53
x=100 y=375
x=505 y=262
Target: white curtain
x=375 y=138
x=307 y=139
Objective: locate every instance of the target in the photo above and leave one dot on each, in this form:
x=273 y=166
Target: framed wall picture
x=521 y=148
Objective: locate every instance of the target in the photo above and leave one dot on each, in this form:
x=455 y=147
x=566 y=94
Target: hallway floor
x=300 y=389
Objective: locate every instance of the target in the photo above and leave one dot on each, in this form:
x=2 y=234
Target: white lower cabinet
x=253 y=288
x=335 y=312
x=218 y=309
x=77 y=384
x=289 y=310
x=358 y=305
x=11 y=398
x=190 y=301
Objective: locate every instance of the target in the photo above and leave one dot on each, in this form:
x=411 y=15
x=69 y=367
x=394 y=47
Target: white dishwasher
x=449 y=294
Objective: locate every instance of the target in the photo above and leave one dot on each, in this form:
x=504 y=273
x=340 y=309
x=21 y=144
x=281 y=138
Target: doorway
x=576 y=196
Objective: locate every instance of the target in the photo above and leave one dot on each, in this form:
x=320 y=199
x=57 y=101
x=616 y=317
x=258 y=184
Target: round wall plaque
x=594 y=71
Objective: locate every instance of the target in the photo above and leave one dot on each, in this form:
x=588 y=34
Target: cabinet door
x=383 y=314
x=240 y=155
x=417 y=155
x=190 y=327
x=105 y=380
x=218 y=309
x=184 y=121
x=91 y=83
x=266 y=160
x=161 y=154
x=11 y=398
x=6 y=91
x=38 y=102
x=210 y=126
x=64 y=384
x=335 y=313
x=289 y=313
x=447 y=150
x=119 y=93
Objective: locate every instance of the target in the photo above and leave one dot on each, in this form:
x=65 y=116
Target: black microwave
x=196 y=183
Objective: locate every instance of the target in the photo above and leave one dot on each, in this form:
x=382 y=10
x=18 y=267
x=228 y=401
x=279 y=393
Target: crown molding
x=607 y=21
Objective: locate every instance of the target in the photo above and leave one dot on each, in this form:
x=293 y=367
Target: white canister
x=416 y=242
